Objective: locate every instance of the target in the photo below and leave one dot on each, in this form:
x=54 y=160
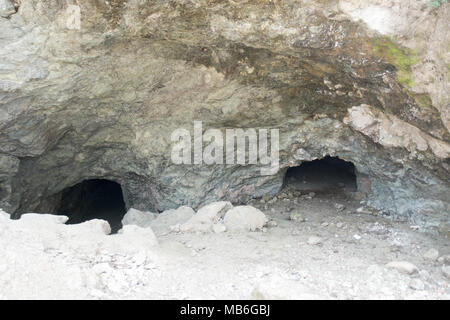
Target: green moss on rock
x=423 y=100
x=403 y=59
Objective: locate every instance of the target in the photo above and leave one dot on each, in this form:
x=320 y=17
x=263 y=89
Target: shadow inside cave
x=326 y=175
x=94 y=199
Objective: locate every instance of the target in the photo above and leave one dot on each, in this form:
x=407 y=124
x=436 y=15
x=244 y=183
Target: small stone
x=444 y=259
x=403 y=267
x=446 y=271
x=339 y=225
x=324 y=224
x=139 y=218
x=244 y=218
x=444 y=229
x=357 y=237
x=218 y=228
x=358 y=195
x=140 y=258
x=431 y=254
x=339 y=207
x=312 y=194
x=417 y=284
x=272 y=224
x=297 y=216
x=424 y=275
x=314 y=240
x=264 y=229
x=363 y=210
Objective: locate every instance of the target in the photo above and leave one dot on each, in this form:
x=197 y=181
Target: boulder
x=206 y=217
x=138 y=218
x=245 y=218
x=165 y=221
x=403 y=267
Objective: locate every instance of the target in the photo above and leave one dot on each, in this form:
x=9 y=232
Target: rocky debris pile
x=215 y=217
x=80 y=260
x=208 y=218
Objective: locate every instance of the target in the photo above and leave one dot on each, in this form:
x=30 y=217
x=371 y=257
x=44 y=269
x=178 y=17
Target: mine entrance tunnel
x=93 y=199
x=329 y=174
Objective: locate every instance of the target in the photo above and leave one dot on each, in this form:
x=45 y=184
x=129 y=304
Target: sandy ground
x=312 y=248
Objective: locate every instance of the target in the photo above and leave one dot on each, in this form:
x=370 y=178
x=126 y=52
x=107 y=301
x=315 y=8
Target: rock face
x=95 y=91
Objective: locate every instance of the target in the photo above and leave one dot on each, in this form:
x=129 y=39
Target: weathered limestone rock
x=314 y=240
x=171 y=218
x=98 y=96
x=6 y=8
x=138 y=218
x=403 y=267
x=245 y=218
x=207 y=218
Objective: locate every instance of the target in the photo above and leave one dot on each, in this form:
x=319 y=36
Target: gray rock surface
x=165 y=221
x=207 y=218
x=403 y=267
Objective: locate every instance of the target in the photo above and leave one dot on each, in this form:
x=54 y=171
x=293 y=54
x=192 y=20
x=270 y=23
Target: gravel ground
x=314 y=247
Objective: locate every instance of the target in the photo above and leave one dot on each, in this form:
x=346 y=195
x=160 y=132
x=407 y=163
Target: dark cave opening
x=326 y=175
x=94 y=199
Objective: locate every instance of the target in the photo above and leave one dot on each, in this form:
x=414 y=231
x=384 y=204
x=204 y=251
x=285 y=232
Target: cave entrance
x=94 y=199
x=326 y=175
